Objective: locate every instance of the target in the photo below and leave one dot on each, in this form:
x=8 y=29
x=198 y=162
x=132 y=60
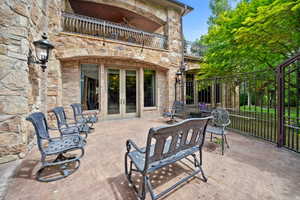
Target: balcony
x=193 y=49
x=79 y=24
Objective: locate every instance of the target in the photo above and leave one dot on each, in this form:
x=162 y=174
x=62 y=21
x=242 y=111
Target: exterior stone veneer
x=25 y=89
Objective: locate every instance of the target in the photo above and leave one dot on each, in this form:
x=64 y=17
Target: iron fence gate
x=264 y=104
x=288 y=78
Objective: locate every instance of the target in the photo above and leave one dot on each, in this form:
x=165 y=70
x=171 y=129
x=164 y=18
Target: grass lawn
x=258 y=109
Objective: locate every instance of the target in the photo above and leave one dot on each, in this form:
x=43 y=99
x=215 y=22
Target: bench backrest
x=172 y=139
x=40 y=125
x=60 y=117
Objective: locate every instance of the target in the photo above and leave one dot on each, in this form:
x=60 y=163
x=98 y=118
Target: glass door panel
x=89 y=84
x=130 y=91
x=113 y=93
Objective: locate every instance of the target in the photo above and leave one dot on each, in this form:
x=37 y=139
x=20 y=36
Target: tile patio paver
x=250 y=169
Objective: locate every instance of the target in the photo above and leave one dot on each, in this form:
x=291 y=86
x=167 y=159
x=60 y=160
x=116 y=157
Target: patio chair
x=56 y=147
x=81 y=117
x=204 y=110
x=176 y=111
x=186 y=139
x=66 y=128
x=219 y=123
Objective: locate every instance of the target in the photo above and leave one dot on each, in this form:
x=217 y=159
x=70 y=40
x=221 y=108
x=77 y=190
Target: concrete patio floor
x=250 y=169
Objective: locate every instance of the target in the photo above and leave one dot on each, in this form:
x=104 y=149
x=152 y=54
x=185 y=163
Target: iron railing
x=264 y=104
x=80 y=24
x=288 y=80
x=193 y=49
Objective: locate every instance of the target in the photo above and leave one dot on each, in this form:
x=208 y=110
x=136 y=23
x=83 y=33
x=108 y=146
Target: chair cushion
x=63 y=144
x=139 y=158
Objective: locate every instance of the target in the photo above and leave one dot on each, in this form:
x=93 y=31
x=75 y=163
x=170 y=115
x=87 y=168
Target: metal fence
x=264 y=104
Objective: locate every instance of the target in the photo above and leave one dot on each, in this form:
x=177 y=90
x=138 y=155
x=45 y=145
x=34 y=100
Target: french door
x=122 y=95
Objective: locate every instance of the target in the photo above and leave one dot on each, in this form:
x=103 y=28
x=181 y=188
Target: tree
x=217 y=7
x=256 y=35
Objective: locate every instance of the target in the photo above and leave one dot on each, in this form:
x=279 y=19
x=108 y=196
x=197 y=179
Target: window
x=218 y=93
x=89 y=83
x=149 y=88
x=190 y=89
x=205 y=95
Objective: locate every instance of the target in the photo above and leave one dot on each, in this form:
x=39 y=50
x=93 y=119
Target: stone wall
x=25 y=88
x=19 y=84
x=193 y=64
x=78 y=47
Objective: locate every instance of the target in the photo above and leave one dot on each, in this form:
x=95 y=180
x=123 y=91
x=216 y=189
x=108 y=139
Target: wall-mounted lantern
x=178 y=77
x=180 y=73
x=43 y=49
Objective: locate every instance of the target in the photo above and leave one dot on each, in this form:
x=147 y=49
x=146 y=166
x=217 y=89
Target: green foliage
x=289 y=112
x=256 y=35
x=217 y=7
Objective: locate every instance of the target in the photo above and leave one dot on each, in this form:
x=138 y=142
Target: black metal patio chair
x=177 y=110
x=172 y=143
x=57 y=148
x=81 y=117
x=66 y=128
x=219 y=123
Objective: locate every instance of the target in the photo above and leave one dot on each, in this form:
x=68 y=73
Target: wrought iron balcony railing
x=193 y=49
x=74 y=23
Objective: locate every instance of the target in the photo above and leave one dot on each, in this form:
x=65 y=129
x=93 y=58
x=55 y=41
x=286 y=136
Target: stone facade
x=25 y=88
x=21 y=85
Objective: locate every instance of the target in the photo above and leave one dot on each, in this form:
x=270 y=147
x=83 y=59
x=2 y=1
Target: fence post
x=280 y=107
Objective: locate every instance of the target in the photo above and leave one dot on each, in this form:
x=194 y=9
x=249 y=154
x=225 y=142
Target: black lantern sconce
x=180 y=72
x=43 y=49
x=178 y=77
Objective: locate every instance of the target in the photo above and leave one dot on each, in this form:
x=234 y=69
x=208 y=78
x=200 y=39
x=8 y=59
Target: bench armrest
x=130 y=143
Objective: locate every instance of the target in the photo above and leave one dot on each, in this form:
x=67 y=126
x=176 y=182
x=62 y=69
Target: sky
x=195 y=23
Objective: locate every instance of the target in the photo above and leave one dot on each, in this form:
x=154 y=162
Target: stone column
x=196 y=93
x=141 y=91
x=103 y=92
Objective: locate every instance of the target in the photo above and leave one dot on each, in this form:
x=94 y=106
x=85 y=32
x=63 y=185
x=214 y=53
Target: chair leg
x=210 y=137
x=128 y=173
x=199 y=165
x=222 y=144
x=143 y=195
x=200 y=157
x=64 y=168
x=226 y=141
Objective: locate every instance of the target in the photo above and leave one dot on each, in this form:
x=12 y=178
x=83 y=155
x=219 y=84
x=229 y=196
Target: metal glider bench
x=166 y=151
